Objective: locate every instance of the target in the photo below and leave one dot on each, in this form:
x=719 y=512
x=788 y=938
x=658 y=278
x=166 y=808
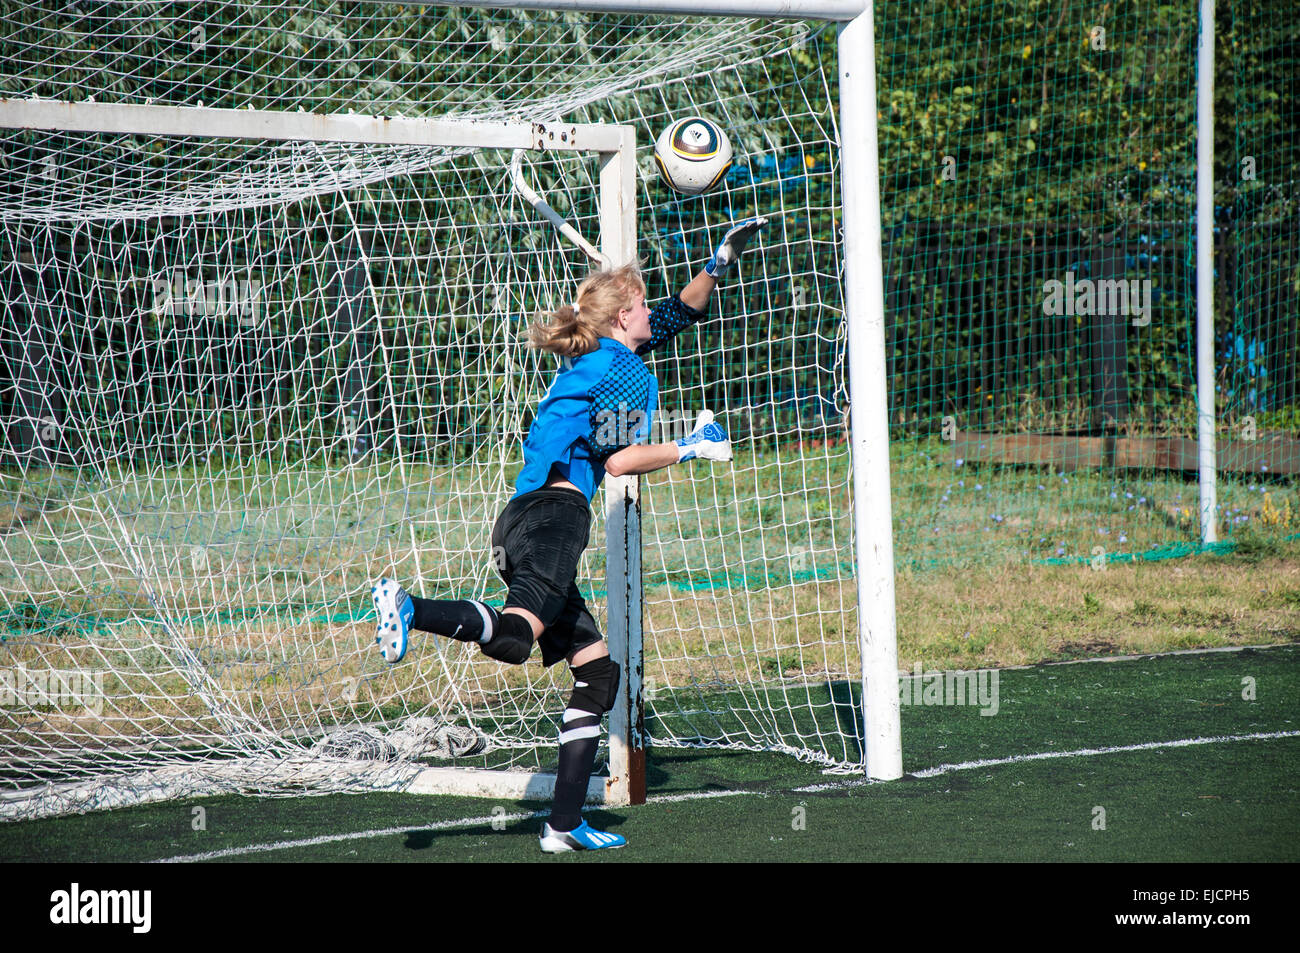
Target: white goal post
x=865 y=310
x=615 y=147
x=587 y=170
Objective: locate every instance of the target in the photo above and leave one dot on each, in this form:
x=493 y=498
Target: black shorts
x=536 y=544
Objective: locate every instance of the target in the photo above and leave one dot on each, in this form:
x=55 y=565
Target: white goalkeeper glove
x=733 y=244
x=707 y=441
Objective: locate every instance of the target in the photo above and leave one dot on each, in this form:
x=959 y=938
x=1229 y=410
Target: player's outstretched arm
x=641 y=458
x=669 y=316
x=696 y=294
x=708 y=441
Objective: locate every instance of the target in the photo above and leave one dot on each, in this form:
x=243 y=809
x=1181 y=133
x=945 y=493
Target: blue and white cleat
x=395 y=610
x=582 y=837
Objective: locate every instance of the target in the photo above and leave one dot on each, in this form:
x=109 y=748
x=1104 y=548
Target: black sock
x=455 y=618
x=577 y=758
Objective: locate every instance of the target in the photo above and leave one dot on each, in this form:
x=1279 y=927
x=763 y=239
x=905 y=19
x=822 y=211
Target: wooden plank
x=1067 y=453
x=1268 y=454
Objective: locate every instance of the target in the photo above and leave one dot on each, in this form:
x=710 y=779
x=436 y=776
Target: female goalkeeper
x=593 y=420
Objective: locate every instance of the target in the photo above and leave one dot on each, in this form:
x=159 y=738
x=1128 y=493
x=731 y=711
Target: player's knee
x=595 y=686
x=513 y=641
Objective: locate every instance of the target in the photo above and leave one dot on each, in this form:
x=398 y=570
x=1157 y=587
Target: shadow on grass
x=846 y=702
x=423 y=839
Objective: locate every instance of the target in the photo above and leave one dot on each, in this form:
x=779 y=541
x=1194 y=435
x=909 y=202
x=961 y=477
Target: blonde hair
x=577 y=328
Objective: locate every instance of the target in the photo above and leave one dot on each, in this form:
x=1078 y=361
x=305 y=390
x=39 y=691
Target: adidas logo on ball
x=693 y=154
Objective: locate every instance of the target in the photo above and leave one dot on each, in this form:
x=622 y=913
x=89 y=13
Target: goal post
x=863 y=277
x=622 y=497
x=282 y=357
x=610 y=149
x=864 y=294
x=869 y=418
x=149 y=120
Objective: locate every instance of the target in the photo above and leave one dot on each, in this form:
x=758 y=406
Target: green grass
x=305 y=535
x=750 y=610
x=1225 y=801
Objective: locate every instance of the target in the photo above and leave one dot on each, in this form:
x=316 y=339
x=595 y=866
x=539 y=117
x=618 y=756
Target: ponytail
x=576 y=329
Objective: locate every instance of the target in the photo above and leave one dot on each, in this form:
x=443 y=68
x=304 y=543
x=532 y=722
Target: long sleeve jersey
x=601 y=402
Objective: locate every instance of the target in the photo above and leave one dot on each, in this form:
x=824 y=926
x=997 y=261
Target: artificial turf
x=1219 y=801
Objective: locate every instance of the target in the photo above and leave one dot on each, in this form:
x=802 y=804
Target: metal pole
x=208 y=121
x=864 y=301
x=1205 y=274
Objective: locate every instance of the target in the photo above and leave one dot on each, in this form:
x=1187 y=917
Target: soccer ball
x=693 y=155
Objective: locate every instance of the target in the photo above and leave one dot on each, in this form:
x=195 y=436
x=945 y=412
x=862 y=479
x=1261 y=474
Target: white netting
x=249 y=377
x=374 y=58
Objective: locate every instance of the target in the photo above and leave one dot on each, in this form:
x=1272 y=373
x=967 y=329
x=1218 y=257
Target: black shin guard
x=513 y=642
x=465 y=620
x=595 y=687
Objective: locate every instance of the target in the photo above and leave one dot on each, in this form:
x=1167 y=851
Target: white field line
x=412 y=829
x=1050 y=755
x=706 y=795
x=354 y=835
x=830 y=786
x=696 y=796
x=709 y=795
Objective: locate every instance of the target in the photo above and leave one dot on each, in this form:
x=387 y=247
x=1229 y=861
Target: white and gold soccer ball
x=693 y=154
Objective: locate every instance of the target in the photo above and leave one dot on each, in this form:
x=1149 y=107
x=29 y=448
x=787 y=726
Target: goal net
x=246 y=375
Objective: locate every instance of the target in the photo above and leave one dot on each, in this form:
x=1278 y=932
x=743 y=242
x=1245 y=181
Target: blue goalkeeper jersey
x=598 y=404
